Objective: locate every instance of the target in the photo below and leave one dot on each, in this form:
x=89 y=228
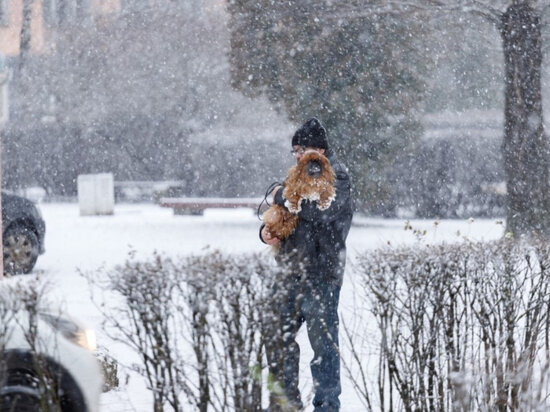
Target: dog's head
x=313 y=166
x=313 y=179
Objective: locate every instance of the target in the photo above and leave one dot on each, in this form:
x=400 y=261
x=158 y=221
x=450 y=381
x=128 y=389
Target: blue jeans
x=317 y=305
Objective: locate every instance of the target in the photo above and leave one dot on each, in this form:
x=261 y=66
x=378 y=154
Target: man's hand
x=267 y=238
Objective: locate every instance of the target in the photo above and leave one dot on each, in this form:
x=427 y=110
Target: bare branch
x=428 y=8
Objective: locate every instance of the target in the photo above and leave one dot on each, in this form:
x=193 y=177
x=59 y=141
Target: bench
x=197 y=205
x=139 y=191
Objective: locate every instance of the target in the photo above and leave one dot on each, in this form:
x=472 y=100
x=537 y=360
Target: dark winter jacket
x=319 y=240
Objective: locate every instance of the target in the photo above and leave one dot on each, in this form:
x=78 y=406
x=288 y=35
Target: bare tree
x=26 y=33
x=525 y=145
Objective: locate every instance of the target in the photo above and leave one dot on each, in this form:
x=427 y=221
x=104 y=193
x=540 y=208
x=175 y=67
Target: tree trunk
x=25 y=35
x=525 y=147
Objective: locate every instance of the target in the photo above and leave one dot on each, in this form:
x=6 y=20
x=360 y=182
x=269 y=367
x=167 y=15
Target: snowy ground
x=76 y=243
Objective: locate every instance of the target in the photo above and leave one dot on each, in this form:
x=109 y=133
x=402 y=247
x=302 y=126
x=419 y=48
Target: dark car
x=23 y=234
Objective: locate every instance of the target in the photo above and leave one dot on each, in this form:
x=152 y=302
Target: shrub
x=109 y=368
x=22 y=302
x=197 y=325
x=458 y=327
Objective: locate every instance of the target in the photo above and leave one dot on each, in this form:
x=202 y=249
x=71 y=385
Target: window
x=49 y=12
x=4 y=106
x=59 y=12
x=4 y=12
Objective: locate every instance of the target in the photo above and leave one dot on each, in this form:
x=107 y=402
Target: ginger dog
x=311 y=179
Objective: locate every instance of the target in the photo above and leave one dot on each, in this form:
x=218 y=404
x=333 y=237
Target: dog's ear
x=291 y=190
x=280 y=222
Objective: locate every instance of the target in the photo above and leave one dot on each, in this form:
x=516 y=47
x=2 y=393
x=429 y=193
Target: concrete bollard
x=96 y=194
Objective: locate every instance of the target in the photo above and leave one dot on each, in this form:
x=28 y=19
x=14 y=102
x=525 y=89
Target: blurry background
x=206 y=94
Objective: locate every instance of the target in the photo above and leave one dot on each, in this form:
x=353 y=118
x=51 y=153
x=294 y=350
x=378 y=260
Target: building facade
x=46 y=16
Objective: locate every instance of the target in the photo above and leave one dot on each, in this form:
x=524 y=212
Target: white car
x=55 y=371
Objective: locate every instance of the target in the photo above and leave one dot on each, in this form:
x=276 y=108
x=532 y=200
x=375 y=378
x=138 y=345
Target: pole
x=3 y=117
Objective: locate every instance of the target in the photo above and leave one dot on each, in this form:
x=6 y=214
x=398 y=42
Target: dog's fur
x=311 y=179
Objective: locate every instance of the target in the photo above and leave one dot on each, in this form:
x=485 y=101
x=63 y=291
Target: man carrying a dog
x=316 y=251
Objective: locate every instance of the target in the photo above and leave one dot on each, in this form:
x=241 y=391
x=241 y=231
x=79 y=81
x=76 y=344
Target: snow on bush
x=462 y=326
x=197 y=324
x=457 y=327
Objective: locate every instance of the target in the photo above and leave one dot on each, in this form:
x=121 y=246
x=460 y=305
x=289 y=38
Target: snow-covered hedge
x=197 y=325
x=452 y=327
x=462 y=326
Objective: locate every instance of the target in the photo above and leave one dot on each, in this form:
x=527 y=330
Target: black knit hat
x=311 y=134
